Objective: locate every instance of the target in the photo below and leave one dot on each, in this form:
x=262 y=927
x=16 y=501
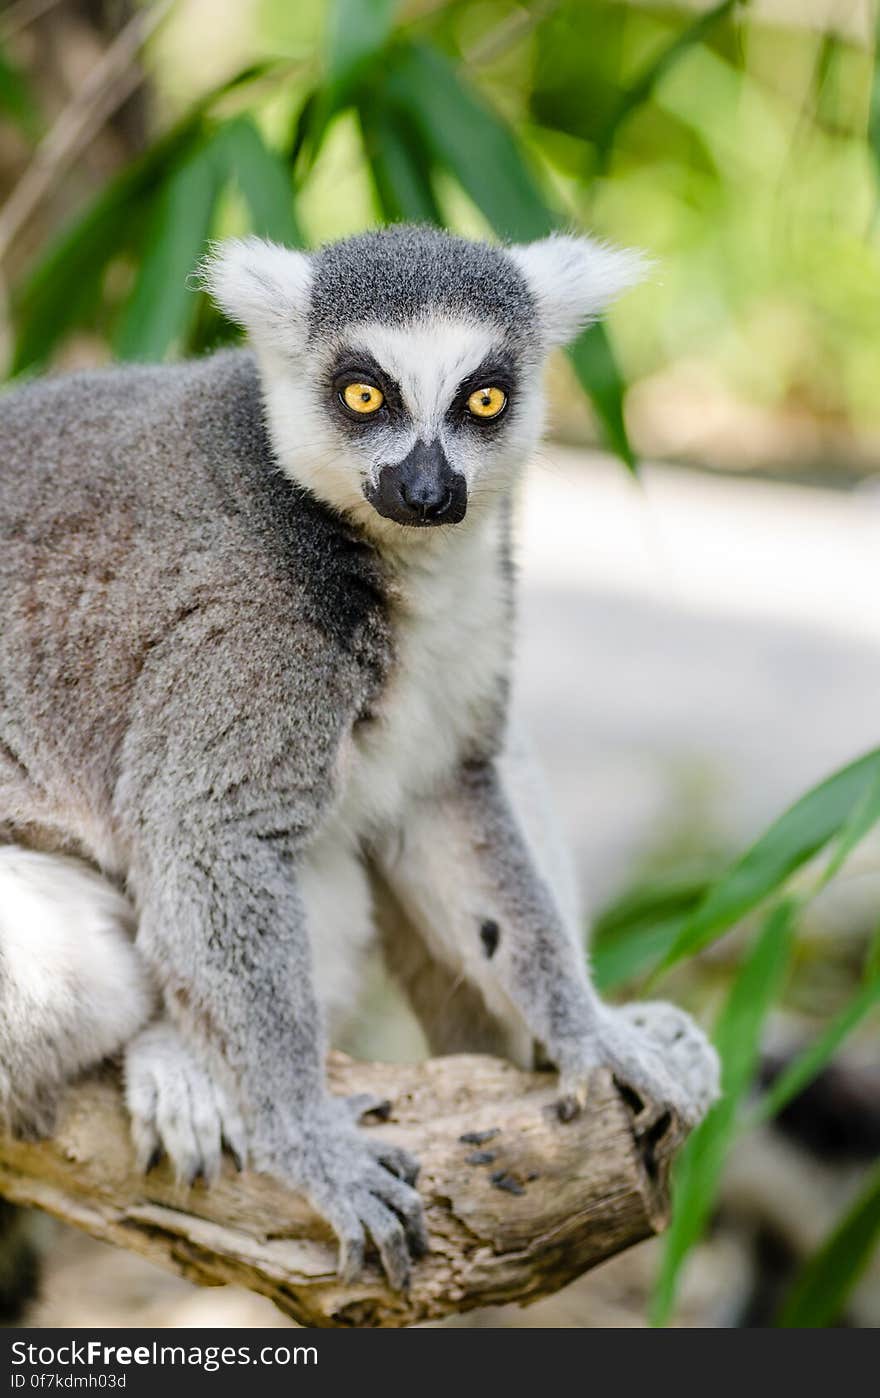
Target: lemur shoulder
x=256 y=619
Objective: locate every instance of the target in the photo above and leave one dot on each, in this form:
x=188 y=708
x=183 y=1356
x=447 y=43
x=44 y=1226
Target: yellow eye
x=487 y=402
x=363 y=397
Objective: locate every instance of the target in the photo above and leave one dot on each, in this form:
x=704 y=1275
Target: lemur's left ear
x=262 y=286
x=574 y=279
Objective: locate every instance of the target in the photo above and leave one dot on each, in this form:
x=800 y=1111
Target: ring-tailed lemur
x=255 y=640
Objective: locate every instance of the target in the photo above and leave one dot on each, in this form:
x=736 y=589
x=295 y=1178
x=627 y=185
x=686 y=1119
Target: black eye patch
x=360 y=367
x=496 y=371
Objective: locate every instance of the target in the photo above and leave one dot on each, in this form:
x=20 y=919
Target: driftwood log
x=518 y=1202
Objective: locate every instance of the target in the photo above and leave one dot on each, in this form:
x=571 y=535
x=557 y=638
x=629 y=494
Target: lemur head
x=402 y=369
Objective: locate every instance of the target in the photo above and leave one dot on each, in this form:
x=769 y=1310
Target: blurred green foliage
x=741 y=153
x=736 y=150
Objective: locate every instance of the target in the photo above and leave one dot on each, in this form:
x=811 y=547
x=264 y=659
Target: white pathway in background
x=701 y=644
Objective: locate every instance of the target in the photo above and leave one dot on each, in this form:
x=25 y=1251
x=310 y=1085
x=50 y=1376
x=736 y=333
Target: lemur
x=256 y=624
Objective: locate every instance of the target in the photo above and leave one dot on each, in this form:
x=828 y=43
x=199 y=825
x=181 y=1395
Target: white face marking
x=428 y=359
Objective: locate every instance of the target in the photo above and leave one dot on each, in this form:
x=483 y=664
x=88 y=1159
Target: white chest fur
x=451 y=635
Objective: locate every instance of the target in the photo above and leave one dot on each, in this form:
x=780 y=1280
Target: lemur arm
x=221 y=825
x=462 y=871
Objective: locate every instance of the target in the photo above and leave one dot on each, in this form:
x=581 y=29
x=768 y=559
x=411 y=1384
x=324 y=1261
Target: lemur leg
x=222 y=923
x=463 y=870
x=449 y=1006
x=72 y=988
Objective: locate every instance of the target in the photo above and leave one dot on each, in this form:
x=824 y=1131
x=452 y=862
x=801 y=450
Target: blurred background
x=699 y=538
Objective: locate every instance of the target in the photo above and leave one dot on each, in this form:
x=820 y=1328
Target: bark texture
x=518 y=1203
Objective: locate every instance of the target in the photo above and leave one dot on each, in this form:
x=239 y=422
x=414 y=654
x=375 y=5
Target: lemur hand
x=653 y=1048
x=361 y=1187
x=176 y=1109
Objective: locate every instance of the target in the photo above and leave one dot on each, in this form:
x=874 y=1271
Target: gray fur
x=392 y=275
x=195 y=655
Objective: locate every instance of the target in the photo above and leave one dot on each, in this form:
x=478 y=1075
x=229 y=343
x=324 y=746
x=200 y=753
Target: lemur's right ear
x=574 y=279
x=261 y=286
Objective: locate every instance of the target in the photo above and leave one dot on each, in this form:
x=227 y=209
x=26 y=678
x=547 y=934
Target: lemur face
x=402 y=369
x=434 y=413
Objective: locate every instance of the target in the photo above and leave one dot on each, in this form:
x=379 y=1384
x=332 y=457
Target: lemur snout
x=421 y=490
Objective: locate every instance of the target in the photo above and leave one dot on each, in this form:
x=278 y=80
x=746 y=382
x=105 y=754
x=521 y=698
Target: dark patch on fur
x=490 y=936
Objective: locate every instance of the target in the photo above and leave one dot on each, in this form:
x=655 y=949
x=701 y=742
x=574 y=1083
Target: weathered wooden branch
x=518 y=1203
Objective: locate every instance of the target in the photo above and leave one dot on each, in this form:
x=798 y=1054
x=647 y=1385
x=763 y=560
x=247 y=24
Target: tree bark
x=518 y=1203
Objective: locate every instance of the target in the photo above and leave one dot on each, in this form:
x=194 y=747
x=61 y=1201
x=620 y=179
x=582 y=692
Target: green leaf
x=808 y=1064
x=794 y=839
x=163 y=304
x=15 y=96
x=598 y=374
x=859 y=823
x=399 y=165
x=637 y=930
x=66 y=280
x=263 y=178
x=461 y=134
x=821 y=1291
x=63 y=288
x=641 y=90
x=355 y=38
x=697 y=1171
x=357 y=32
x=464 y=136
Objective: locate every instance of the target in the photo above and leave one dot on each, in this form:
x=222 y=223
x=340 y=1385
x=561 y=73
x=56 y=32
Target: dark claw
x=237 y=1160
x=567 y=1108
x=400 y=1163
x=480 y=1157
x=478 y=1138
x=154 y=1160
x=381 y=1111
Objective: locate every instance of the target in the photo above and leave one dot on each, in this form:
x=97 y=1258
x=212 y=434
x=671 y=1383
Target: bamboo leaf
x=65 y=282
x=737 y=1037
x=263 y=178
x=355 y=37
x=827 y=1280
x=163 y=305
x=357 y=32
x=63 y=287
x=641 y=90
x=464 y=136
x=799 y=835
x=636 y=931
x=860 y=822
x=399 y=165
x=598 y=374
x=15 y=96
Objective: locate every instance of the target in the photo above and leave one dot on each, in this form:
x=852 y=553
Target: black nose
x=420 y=490
x=426 y=494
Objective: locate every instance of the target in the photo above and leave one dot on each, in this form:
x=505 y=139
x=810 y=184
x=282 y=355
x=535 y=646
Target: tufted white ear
x=262 y=286
x=574 y=279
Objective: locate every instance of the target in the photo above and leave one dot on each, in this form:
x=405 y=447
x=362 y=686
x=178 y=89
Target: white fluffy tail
x=73 y=989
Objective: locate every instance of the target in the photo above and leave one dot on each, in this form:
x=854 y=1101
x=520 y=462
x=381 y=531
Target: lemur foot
x=176 y=1109
x=657 y=1051
x=361 y=1187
